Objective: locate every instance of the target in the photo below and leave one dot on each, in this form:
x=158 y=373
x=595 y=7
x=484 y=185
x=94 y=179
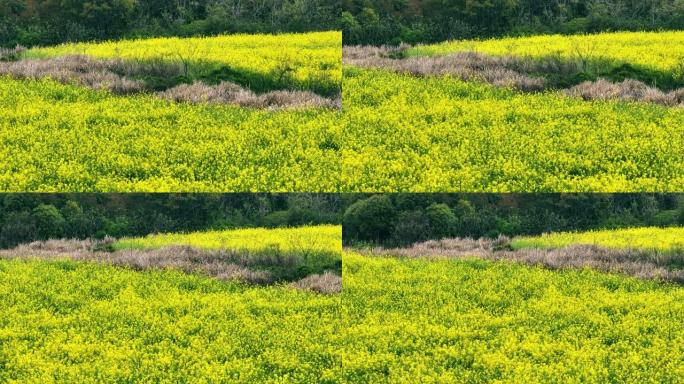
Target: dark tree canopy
x=47 y=22
x=403 y=219
x=412 y=21
x=28 y=217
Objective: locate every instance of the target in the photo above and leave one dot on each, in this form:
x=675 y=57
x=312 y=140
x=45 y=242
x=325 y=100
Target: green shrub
x=49 y=221
x=370 y=219
x=411 y=227
x=276 y=219
x=667 y=218
x=442 y=220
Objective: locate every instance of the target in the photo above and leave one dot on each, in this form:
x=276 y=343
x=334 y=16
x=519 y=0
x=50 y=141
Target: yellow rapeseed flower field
x=66 y=138
x=658 y=239
x=474 y=321
x=66 y=321
x=319 y=238
x=438 y=133
x=57 y=137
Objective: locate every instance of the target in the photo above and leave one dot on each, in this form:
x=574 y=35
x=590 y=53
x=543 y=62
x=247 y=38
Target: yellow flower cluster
x=56 y=137
x=410 y=134
x=308 y=58
x=473 y=321
x=65 y=321
x=321 y=238
x=659 y=239
x=662 y=51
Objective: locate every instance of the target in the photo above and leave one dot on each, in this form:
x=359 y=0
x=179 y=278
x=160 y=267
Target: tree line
x=404 y=219
x=28 y=217
x=413 y=21
x=48 y=22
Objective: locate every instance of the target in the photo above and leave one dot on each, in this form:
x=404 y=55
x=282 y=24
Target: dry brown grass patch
x=82 y=70
x=628 y=90
x=260 y=268
x=509 y=72
x=327 y=283
x=9 y=54
x=117 y=76
x=521 y=73
x=230 y=93
x=225 y=265
x=639 y=263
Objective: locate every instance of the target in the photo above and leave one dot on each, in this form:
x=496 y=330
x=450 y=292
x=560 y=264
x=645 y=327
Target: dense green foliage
x=47 y=22
x=438 y=133
x=28 y=217
x=403 y=219
x=477 y=321
x=393 y=21
x=65 y=321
